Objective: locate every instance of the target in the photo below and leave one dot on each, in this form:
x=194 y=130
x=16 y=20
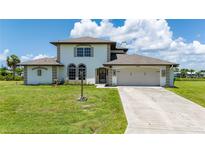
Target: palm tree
x=192 y=71
x=12 y=62
x=184 y=72
x=198 y=74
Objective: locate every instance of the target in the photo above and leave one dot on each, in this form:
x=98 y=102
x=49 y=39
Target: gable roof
x=84 y=40
x=41 y=62
x=137 y=60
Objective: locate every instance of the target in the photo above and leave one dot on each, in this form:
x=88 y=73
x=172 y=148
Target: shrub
x=9 y=77
x=18 y=78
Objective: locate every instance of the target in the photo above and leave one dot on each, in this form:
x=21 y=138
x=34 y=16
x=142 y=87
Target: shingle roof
x=42 y=62
x=83 y=40
x=124 y=59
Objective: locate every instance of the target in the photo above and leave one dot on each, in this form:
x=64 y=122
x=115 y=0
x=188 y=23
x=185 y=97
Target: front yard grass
x=55 y=110
x=192 y=90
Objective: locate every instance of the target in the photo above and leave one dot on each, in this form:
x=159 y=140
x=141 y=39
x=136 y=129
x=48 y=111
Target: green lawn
x=192 y=90
x=55 y=110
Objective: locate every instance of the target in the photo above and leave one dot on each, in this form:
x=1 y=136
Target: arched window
x=81 y=68
x=71 y=72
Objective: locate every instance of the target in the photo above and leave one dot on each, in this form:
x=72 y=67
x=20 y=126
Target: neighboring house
x=101 y=62
x=202 y=74
x=191 y=75
x=177 y=74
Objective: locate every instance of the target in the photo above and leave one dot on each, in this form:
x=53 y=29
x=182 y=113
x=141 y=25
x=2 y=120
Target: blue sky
x=30 y=38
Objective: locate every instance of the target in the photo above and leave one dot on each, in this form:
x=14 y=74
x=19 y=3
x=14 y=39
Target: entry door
x=102 y=75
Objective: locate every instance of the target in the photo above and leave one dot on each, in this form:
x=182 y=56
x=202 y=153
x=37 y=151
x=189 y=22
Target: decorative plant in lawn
x=12 y=62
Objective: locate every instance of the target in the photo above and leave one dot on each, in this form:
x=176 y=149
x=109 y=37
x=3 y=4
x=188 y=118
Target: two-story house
x=101 y=61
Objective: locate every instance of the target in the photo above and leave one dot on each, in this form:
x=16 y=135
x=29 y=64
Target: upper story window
x=80 y=52
x=87 y=52
x=84 y=52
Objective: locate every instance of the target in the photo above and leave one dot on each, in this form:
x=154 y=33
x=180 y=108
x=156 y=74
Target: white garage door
x=138 y=76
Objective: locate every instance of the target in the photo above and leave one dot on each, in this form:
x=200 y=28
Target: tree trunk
x=14 y=70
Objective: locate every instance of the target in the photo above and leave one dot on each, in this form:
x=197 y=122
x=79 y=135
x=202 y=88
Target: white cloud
x=139 y=34
x=40 y=56
x=32 y=57
x=26 y=57
x=4 y=54
x=148 y=37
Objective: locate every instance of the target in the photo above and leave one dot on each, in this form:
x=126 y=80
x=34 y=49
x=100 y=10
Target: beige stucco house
x=101 y=61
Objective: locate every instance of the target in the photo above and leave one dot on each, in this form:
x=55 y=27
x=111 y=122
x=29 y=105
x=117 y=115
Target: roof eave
x=40 y=65
x=174 y=65
x=56 y=43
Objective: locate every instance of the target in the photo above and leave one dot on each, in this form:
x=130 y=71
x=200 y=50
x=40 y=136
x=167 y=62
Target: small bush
x=18 y=78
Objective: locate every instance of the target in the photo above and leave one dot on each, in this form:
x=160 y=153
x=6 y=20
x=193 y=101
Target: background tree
x=198 y=74
x=192 y=72
x=3 y=71
x=184 y=72
x=19 y=71
x=12 y=62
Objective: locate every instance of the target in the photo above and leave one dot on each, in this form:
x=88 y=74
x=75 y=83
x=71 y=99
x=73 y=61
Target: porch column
x=109 y=80
x=162 y=76
x=97 y=75
x=167 y=76
x=54 y=73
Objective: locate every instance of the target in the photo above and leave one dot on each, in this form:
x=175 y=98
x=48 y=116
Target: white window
x=84 y=52
x=39 y=72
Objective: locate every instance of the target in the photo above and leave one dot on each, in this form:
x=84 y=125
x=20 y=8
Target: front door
x=102 y=75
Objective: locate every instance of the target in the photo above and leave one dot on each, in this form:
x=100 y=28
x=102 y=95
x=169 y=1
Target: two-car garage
x=138 y=76
x=138 y=70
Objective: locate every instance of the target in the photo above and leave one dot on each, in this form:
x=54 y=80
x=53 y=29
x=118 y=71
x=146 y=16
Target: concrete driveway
x=157 y=110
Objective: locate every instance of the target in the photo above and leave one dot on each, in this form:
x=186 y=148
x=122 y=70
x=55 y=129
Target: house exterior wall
x=33 y=78
x=92 y=63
